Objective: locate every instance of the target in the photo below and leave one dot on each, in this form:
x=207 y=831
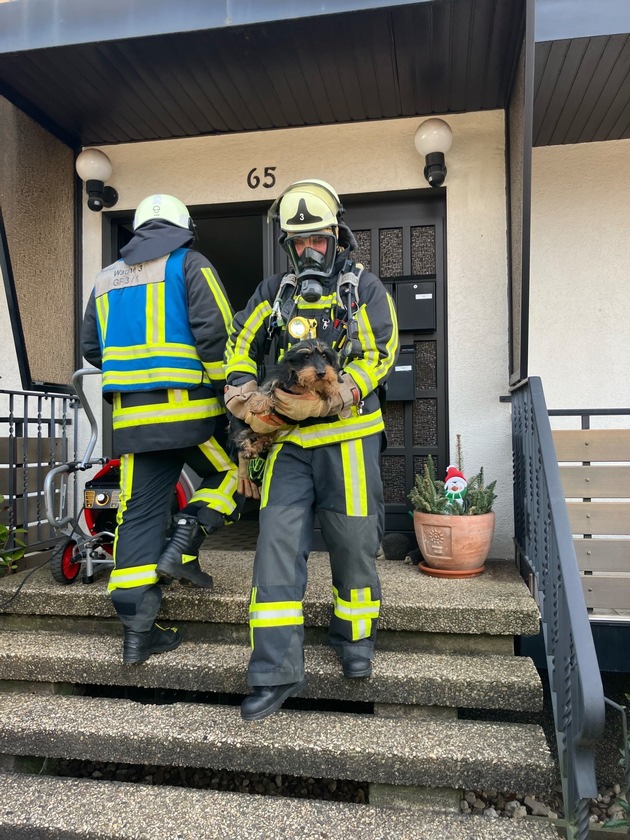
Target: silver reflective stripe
x=261 y=615
x=355 y=612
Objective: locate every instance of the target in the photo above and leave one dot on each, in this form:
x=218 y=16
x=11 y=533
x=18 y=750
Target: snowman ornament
x=455 y=485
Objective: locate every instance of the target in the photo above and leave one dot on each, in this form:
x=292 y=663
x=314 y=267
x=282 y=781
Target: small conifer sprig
x=427 y=494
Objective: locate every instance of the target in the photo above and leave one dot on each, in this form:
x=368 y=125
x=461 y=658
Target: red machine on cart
x=90 y=550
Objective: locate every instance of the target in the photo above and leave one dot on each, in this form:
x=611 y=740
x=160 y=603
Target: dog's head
x=313 y=364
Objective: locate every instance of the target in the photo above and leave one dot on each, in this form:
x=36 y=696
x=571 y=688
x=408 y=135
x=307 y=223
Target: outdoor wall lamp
x=432 y=140
x=94 y=167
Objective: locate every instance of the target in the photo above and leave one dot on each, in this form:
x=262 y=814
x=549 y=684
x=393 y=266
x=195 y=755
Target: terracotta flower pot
x=454 y=543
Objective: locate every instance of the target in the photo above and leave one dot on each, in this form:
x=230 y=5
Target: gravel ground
x=490 y=803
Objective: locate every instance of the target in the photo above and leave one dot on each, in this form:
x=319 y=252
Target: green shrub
x=12 y=547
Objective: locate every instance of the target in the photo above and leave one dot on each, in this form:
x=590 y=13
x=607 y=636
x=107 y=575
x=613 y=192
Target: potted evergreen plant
x=453 y=520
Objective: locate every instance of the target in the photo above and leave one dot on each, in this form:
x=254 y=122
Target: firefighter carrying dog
x=156 y=324
x=328 y=462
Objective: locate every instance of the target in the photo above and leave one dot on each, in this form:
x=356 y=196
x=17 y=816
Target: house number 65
x=268 y=178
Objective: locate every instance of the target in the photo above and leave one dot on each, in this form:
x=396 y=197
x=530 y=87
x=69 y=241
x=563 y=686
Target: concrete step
x=45 y=808
x=497 y=682
x=399 y=751
x=497 y=603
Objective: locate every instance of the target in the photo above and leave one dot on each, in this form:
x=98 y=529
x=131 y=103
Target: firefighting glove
x=246 y=487
x=237 y=400
x=301 y=406
x=237 y=397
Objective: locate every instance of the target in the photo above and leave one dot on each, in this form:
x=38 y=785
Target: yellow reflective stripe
x=160 y=319
x=188 y=558
x=126 y=482
x=241 y=364
x=248 y=332
x=215 y=370
x=358 y=425
x=217 y=455
x=325 y=302
x=132 y=577
x=219 y=297
x=391 y=347
x=362 y=375
x=150 y=311
x=276 y=614
x=369 y=362
x=148 y=351
x=354 y=477
x=220 y=498
x=372 y=368
x=360 y=610
x=269 y=464
x=273 y=614
x=145 y=415
x=102 y=311
x=147 y=377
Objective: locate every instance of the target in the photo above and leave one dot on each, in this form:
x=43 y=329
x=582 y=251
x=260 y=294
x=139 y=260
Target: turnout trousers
x=147 y=484
x=341 y=482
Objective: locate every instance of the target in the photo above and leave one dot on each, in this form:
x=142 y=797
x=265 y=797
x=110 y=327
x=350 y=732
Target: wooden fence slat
x=609 y=482
x=20 y=518
x=603 y=555
x=592 y=444
x=34 y=476
x=612 y=518
x=36 y=449
x=608 y=593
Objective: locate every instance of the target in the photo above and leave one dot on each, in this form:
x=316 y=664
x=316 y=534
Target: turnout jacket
x=158 y=329
x=377 y=339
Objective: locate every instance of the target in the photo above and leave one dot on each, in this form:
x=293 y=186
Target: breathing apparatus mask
x=312 y=256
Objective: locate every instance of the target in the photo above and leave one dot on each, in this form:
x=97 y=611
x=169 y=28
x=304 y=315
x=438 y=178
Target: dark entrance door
x=402 y=239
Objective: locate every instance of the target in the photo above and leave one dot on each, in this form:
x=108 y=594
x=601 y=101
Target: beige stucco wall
x=580 y=292
x=36 y=194
x=374 y=157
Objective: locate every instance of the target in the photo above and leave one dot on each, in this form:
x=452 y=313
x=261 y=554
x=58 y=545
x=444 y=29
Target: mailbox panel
x=415 y=304
x=401 y=385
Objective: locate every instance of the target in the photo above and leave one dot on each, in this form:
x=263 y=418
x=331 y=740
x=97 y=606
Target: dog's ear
x=331 y=357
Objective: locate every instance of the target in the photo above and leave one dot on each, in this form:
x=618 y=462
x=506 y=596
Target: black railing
x=37 y=431
x=546 y=557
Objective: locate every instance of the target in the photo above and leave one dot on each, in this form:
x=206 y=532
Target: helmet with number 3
x=309 y=205
x=305 y=208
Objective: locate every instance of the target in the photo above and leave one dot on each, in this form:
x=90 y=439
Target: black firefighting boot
x=138 y=646
x=180 y=559
x=266 y=699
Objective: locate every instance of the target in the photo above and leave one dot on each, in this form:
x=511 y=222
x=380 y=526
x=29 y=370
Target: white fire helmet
x=164 y=207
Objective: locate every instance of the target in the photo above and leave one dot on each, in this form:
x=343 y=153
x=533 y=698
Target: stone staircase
x=443 y=646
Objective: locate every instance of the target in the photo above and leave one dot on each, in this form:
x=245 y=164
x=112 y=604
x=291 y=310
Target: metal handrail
x=39 y=428
x=59 y=521
x=545 y=551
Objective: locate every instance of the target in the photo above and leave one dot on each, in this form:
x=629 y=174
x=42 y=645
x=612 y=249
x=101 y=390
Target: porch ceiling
x=94 y=79
x=375 y=63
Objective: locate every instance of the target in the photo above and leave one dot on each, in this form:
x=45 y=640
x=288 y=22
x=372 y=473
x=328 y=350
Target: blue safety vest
x=143 y=326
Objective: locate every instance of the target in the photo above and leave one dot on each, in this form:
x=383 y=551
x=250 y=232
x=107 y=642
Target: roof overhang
x=132 y=70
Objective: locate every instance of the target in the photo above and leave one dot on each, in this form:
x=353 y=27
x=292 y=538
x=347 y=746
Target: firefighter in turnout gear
x=327 y=462
x=156 y=325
